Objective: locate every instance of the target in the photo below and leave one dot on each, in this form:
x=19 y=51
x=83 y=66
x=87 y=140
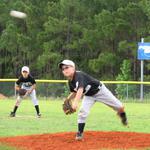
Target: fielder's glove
x=22 y=92
x=67 y=107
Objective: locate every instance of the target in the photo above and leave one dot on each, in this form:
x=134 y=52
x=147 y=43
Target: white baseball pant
x=105 y=96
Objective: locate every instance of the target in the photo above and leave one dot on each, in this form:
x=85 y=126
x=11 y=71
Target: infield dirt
x=93 y=140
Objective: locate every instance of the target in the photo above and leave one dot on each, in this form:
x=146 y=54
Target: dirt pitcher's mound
x=92 y=141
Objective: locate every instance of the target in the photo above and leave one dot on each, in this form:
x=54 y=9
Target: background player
x=26 y=81
x=81 y=84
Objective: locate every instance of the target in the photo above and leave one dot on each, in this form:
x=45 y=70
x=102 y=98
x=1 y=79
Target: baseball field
x=54 y=130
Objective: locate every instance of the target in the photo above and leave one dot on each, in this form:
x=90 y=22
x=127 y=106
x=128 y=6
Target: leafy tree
x=97 y=34
x=125 y=75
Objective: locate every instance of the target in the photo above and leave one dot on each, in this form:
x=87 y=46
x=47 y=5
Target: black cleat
x=79 y=136
x=12 y=114
x=39 y=115
x=123 y=118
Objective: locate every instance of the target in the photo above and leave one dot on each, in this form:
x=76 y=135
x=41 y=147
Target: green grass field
x=5 y=147
x=101 y=118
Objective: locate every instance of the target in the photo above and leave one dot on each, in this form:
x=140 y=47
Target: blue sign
x=144 y=51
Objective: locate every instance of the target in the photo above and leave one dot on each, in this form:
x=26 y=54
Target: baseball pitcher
x=92 y=90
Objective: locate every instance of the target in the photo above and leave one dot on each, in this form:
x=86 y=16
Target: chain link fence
x=53 y=89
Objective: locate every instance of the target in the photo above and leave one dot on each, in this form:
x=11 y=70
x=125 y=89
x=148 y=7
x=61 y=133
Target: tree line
x=100 y=36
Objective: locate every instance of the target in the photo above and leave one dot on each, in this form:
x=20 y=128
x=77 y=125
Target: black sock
x=81 y=127
x=123 y=115
x=37 y=109
x=15 y=109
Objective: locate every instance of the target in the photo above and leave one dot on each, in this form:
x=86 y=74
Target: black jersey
x=90 y=85
x=26 y=82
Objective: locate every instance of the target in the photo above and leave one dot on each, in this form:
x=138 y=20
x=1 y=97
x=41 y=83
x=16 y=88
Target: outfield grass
x=101 y=118
x=5 y=147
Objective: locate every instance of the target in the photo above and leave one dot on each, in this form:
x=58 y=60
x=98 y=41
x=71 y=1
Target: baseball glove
x=22 y=92
x=67 y=107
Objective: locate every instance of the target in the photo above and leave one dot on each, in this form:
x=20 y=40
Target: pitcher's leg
x=83 y=114
x=106 y=97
